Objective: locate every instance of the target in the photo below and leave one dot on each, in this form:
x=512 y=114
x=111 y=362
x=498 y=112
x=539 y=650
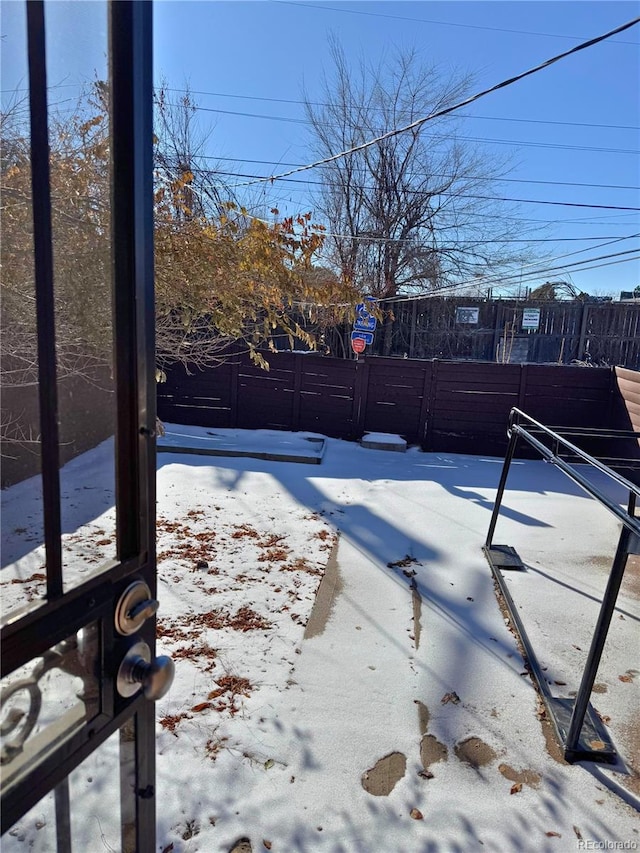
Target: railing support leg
x=513 y=438
x=599 y=638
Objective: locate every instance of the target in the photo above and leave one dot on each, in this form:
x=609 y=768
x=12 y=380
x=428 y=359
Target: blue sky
x=575 y=122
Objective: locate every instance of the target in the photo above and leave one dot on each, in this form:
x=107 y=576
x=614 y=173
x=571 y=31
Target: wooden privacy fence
x=605 y=333
x=448 y=406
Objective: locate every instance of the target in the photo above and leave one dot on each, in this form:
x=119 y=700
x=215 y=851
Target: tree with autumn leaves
x=222 y=276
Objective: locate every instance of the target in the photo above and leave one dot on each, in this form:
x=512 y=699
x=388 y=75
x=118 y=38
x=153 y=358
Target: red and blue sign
x=364 y=326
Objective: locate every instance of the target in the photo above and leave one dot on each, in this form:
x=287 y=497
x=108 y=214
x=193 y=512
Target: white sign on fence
x=467 y=315
x=531 y=318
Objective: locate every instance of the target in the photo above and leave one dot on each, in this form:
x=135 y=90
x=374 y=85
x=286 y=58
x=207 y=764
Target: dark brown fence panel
x=199 y=398
x=446 y=406
x=568 y=396
x=86 y=411
x=265 y=398
x=471 y=409
x=327 y=396
x=396 y=389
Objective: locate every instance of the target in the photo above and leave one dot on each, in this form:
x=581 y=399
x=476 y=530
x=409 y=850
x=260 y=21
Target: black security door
x=79 y=673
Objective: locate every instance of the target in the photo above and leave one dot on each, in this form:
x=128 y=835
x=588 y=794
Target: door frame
x=27 y=636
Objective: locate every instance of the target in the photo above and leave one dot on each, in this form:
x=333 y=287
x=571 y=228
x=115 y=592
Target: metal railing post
x=599 y=636
x=513 y=438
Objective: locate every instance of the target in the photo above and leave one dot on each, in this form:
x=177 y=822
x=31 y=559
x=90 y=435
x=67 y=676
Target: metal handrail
x=577 y=451
x=629 y=540
x=515 y=430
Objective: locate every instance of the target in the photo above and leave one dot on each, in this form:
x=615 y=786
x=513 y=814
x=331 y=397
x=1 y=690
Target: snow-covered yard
x=345 y=677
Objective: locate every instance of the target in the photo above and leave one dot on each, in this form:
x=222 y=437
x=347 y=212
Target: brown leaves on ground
x=274 y=555
x=416 y=814
x=185 y=544
x=403 y=563
x=229 y=691
x=244 y=530
x=301 y=565
x=171 y=721
x=245 y=619
x=197 y=652
x=450 y=697
x=212 y=748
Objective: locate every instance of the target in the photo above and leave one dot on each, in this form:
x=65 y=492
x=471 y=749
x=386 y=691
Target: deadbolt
x=138 y=671
x=134 y=608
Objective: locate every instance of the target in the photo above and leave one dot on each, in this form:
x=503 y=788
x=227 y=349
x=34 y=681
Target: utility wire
x=497 y=180
x=293 y=120
x=483 y=282
x=482 y=243
x=498 y=279
x=438 y=23
x=298 y=102
x=435 y=193
x=439 y=113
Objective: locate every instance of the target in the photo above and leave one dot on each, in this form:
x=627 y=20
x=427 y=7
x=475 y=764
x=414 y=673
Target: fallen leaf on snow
x=516 y=788
x=553 y=835
x=267 y=844
x=416 y=814
x=202 y=706
x=405 y=561
x=450 y=697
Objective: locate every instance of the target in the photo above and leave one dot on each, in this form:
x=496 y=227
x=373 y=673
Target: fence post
x=360 y=392
x=412 y=333
x=431 y=405
x=423 y=418
x=297 y=389
x=234 y=395
x=522 y=391
x=497 y=331
x=583 y=330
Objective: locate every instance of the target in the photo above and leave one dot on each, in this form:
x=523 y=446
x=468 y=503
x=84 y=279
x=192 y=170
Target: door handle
x=137 y=671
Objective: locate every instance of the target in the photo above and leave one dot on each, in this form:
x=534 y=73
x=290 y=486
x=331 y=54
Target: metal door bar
x=45 y=311
x=581 y=733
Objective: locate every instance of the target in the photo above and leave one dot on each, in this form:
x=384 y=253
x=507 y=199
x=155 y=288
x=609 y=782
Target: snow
x=268 y=729
x=384 y=438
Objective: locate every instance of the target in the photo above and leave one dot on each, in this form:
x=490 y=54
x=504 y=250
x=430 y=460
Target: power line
x=447 y=110
x=438 y=23
x=298 y=102
x=364 y=239
x=308 y=182
x=498 y=180
x=519 y=142
x=496 y=280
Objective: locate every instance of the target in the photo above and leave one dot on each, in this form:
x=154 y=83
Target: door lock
x=137 y=671
x=134 y=608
